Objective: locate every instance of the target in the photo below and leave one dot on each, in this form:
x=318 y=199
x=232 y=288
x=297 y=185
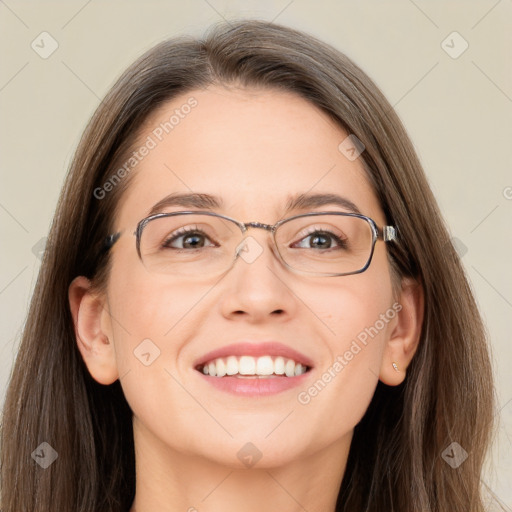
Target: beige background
x=457 y=111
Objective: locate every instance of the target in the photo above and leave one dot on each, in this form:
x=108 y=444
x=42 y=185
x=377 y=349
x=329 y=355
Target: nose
x=258 y=286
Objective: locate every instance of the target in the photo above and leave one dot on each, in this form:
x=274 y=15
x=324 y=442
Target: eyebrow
x=308 y=201
x=188 y=200
x=211 y=202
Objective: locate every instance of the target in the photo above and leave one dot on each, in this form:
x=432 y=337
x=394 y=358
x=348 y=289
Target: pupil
x=321 y=240
x=196 y=241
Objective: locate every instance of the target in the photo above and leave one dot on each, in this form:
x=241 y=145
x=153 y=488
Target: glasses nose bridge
x=260 y=225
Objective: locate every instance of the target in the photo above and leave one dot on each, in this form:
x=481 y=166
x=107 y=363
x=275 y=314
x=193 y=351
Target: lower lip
x=253 y=387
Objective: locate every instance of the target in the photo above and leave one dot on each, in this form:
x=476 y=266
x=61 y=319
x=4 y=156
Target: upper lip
x=255 y=349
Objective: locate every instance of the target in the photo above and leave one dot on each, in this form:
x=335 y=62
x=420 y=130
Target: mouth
x=251 y=369
x=247 y=367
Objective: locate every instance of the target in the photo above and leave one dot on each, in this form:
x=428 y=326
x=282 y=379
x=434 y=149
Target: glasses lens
x=199 y=244
x=189 y=244
x=325 y=244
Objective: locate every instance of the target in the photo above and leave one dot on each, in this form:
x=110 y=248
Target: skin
x=254 y=148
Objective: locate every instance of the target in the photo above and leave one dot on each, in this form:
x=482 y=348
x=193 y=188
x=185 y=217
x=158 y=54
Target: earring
x=395 y=366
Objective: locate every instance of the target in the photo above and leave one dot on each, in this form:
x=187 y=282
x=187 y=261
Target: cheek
x=151 y=316
x=143 y=307
x=358 y=315
x=152 y=322
x=350 y=305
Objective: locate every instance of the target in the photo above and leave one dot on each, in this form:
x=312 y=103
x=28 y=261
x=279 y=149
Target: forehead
x=255 y=149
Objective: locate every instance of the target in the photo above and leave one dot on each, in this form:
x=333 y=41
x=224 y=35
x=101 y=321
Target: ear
x=93 y=331
x=405 y=335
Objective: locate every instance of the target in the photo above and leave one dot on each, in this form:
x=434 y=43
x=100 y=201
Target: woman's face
x=254 y=149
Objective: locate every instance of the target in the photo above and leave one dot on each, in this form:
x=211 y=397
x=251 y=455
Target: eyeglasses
x=198 y=243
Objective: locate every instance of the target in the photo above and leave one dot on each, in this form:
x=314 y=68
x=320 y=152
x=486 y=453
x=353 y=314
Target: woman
x=178 y=357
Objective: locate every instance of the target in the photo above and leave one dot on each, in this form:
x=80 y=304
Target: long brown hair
x=395 y=461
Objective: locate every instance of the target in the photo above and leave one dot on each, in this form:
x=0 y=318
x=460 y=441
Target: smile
x=248 y=366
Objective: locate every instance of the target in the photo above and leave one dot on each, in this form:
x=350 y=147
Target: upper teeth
x=248 y=365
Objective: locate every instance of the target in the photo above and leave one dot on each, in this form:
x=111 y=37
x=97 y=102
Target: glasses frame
x=386 y=234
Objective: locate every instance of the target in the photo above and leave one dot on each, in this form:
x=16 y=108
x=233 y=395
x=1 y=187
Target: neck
x=169 y=480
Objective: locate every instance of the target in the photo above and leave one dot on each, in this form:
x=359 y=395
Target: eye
x=321 y=239
x=189 y=238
